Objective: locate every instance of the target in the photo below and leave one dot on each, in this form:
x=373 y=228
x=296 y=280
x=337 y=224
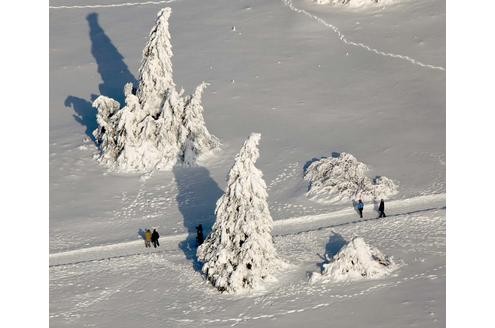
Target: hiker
x=147 y=238
x=360 y=207
x=154 y=238
x=381 y=209
x=199 y=234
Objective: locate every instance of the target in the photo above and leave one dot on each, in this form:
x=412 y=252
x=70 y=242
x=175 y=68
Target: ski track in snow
x=314 y=222
x=290 y=5
x=125 y=4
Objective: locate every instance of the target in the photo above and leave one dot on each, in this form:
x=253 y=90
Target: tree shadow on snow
x=333 y=246
x=196 y=198
x=113 y=71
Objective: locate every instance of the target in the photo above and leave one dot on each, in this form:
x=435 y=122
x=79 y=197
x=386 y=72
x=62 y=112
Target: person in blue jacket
x=360 y=207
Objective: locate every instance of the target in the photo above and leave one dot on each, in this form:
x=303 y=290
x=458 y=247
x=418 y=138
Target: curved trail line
x=125 y=4
x=284 y=227
x=290 y=5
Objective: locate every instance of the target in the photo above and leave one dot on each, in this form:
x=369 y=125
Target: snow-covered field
x=312 y=79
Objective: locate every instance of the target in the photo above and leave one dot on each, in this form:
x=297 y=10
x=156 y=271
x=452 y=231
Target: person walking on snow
x=154 y=238
x=381 y=209
x=360 y=207
x=147 y=238
x=199 y=235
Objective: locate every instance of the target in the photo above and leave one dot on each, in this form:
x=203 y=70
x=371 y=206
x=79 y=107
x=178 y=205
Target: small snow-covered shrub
x=159 y=126
x=239 y=254
x=356 y=3
x=355 y=261
x=343 y=178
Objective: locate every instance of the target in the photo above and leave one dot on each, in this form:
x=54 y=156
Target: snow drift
x=356 y=3
x=343 y=178
x=355 y=261
x=158 y=126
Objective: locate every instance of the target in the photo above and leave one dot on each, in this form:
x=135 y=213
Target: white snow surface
x=356 y=3
x=344 y=178
x=356 y=260
x=312 y=80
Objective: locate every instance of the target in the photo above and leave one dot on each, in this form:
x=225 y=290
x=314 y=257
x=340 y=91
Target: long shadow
x=196 y=197
x=113 y=71
x=334 y=245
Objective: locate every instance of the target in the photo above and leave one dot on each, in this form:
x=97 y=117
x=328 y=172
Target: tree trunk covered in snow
x=239 y=253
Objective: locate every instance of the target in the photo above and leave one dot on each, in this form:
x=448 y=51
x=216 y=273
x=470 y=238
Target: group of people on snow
x=381 y=208
x=151 y=238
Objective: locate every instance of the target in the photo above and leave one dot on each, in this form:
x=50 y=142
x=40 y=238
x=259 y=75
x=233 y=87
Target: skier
x=381 y=209
x=199 y=235
x=154 y=238
x=360 y=207
x=147 y=238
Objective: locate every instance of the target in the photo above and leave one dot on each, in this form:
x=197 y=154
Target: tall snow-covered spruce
x=155 y=73
x=198 y=139
x=159 y=126
x=239 y=252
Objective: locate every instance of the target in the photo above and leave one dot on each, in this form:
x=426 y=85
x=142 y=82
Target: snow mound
x=356 y=3
x=343 y=178
x=356 y=261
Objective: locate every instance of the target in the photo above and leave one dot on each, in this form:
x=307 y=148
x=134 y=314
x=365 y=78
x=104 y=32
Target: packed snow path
x=164 y=289
x=290 y=226
x=342 y=37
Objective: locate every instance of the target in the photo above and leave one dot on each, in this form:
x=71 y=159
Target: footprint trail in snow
x=342 y=37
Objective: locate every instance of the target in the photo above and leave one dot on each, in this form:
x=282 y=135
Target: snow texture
x=356 y=3
x=343 y=178
x=355 y=261
x=239 y=253
x=159 y=126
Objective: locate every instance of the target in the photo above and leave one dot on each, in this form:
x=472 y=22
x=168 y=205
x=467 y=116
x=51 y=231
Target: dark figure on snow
x=199 y=234
x=147 y=238
x=360 y=207
x=381 y=209
x=154 y=238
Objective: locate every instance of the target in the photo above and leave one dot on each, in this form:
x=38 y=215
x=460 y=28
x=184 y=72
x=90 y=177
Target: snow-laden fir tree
x=198 y=139
x=155 y=72
x=159 y=126
x=356 y=260
x=344 y=178
x=239 y=252
x=106 y=135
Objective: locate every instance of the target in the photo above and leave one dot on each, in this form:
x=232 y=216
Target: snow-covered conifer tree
x=343 y=178
x=155 y=72
x=356 y=260
x=106 y=134
x=198 y=140
x=159 y=125
x=239 y=253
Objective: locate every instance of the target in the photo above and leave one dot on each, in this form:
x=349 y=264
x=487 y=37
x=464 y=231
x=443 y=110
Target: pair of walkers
x=381 y=208
x=151 y=237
